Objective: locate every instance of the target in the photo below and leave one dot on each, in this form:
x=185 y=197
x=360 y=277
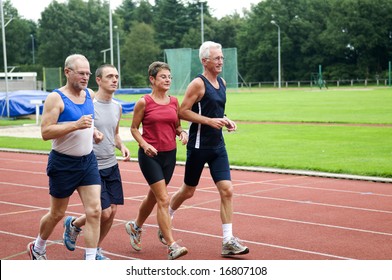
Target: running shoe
x=71 y=233
x=161 y=238
x=234 y=247
x=33 y=254
x=134 y=235
x=100 y=256
x=175 y=251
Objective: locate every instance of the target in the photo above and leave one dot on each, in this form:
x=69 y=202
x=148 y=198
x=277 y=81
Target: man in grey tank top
x=107 y=118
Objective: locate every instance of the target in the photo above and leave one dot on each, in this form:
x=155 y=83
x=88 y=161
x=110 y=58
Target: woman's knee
x=163 y=201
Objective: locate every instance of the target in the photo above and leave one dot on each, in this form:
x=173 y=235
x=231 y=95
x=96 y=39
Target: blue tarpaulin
x=20 y=103
x=133 y=91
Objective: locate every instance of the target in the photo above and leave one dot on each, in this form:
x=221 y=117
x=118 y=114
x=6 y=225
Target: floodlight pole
x=5 y=58
x=279 y=71
x=202 y=21
x=111 y=33
x=118 y=56
x=32 y=47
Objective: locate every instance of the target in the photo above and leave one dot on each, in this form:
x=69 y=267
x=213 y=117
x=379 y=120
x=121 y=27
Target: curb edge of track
x=257 y=169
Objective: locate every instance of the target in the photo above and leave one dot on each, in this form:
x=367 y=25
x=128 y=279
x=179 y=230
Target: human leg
x=184 y=193
x=225 y=189
x=193 y=168
x=152 y=172
x=220 y=172
x=134 y=228
x=162 y=198
x=37 y=248
x=164 y=222
x=90 y=196
x=107 y=217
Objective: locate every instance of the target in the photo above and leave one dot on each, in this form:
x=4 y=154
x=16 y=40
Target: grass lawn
x=340 y=130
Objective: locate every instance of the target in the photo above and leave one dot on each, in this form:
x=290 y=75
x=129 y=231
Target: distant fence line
x=332 y=83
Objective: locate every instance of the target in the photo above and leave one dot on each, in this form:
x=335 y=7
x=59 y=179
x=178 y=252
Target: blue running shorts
x=217 y=161
x=67 y=173
x=111 y=187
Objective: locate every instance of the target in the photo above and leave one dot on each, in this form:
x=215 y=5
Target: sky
x=218 y=8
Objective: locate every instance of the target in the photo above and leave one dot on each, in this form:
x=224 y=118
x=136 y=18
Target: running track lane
x=280 y=217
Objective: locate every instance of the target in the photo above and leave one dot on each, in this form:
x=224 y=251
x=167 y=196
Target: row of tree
x=349 y=38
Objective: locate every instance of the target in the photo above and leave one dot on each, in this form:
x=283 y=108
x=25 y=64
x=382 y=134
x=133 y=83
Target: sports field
x=339 y=130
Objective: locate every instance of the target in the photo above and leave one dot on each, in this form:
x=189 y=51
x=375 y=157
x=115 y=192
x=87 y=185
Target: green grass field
x=346 y=130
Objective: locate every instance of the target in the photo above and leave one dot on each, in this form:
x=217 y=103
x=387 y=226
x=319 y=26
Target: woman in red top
x=158 y=114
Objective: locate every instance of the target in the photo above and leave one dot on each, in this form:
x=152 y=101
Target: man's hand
x=98 y=136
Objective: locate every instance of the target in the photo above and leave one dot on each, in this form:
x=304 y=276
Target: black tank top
x=212 y=105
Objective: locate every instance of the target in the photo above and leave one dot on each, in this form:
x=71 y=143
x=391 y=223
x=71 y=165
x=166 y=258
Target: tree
x=139 y=51
x=18 y=37
x=73 y=27
x=171 y=23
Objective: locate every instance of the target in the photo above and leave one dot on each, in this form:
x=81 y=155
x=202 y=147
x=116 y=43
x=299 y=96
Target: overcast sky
x=219 y=8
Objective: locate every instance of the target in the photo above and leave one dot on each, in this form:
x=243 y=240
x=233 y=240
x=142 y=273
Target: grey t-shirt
x=107 y=116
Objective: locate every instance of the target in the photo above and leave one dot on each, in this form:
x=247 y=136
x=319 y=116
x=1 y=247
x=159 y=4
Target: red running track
x=279 y=217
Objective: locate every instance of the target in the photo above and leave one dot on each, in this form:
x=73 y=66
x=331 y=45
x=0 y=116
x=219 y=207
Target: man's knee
x=106 y=214
x=94 y=211
x=225 y=189
x=56 y=215
x=187 y=191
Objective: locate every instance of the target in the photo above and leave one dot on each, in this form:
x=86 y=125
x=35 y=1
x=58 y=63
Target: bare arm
x=118 y=142
x=182 y=134
x=50 y=129
x=194 y=93
x=138 y=115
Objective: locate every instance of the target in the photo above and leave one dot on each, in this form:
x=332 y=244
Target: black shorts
x=67 y=173
x=217 y=161
x=157 y=168
x=111 y=187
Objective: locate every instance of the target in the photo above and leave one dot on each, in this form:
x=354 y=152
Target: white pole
x=279 y=70
x=111 y=33
x=202 y=22
x=118 y=56
x=5 y=58
x=32 y=46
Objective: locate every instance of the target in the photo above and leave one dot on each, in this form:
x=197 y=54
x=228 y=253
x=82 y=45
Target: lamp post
x=5 y=58
x=118 y=57
x=202 y=21
x=279 y=71
x=32 y=47
x=111 y=33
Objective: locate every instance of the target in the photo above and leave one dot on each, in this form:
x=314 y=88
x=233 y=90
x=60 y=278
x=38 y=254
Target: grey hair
x=70 y=60
x=204 y=51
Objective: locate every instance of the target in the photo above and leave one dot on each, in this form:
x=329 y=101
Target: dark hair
x=98 y=72
x=157 y=66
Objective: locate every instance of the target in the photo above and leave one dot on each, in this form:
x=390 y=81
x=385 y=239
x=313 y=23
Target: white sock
x=39 y=245
x=90 y=253
x=171 y=212
x=227 y=232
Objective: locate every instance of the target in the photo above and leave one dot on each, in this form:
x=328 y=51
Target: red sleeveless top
x=159 y=124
